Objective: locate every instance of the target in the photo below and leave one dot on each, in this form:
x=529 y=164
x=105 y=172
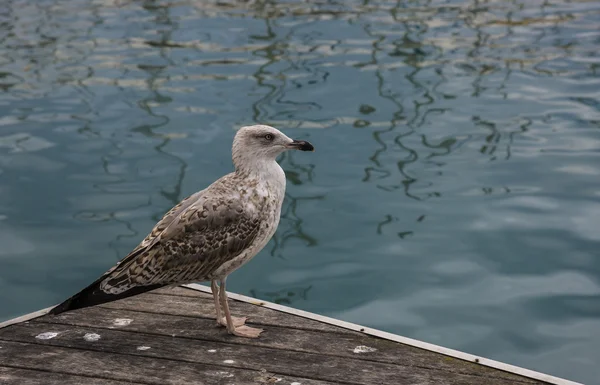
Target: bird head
x=260 y=142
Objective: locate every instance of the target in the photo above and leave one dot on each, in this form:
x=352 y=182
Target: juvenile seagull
x=209 y=234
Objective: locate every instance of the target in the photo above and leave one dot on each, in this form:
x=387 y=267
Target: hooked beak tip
x=302 y=145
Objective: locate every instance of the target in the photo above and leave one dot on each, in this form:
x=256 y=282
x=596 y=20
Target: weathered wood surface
x=172 y=338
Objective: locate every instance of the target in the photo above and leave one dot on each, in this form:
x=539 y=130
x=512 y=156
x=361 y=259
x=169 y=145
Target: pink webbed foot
x=237 y=321
x=246 y=331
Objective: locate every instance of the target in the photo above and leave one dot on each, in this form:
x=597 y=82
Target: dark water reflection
x=454 y=194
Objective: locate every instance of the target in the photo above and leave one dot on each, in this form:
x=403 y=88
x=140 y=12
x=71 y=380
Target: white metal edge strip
x=25 y=317
x=394 y=337
x=363 y=329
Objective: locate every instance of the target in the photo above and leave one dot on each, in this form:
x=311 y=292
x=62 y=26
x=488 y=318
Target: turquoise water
x=454 y=196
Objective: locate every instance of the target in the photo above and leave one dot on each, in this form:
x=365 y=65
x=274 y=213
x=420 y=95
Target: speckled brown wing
x=167 y=219
x=158 y=228
x=201 y=237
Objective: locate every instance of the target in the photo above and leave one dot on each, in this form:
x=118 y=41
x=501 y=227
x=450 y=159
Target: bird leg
x=221 y=321
x=238 y=330
x=215 y=292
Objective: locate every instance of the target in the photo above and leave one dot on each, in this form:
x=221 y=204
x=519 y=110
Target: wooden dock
x=169 y=336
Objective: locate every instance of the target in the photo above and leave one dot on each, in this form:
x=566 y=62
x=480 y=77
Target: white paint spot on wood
x=363 y=349
x=143 y=348
x=212 y=350
x=46 y=335
x=228 y=361
x=91 y=337
x=222 y=374
x=122 y=321
x=296 y=383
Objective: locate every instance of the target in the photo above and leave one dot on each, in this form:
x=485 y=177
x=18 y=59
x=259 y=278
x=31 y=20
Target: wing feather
x=191 y=243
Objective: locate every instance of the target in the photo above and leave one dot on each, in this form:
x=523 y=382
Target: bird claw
x=246 y=331
x=237 y=321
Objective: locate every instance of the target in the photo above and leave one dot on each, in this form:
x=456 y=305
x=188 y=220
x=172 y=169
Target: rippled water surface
x=454 y=196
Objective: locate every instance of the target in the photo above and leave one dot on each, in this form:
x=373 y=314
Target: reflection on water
x=453 y=194
x=287 y=296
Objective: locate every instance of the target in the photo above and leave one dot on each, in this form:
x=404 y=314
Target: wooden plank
x=133 y=368
x=204 y=307
x=483 y=361
x=308 y=341
x=288 y=329
x=16 y=376
x=279 y=362
x=180 y=291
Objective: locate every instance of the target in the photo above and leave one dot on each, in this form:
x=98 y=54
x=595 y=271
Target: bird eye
x=269 y=137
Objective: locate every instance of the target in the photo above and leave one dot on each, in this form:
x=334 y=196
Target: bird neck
x=258 y=167
x=266 y=171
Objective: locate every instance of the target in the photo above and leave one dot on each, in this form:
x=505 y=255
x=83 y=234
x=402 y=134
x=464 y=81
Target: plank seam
x=233 y=343
x=98 y=350
x=527 y=373
x=342 y=332
x=99 y=377
x=358 y=328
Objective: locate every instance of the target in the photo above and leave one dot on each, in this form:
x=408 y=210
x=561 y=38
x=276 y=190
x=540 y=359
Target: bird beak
x=301 y=145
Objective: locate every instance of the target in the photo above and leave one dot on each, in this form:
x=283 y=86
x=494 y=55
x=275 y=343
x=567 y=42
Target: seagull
x=209 y=234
